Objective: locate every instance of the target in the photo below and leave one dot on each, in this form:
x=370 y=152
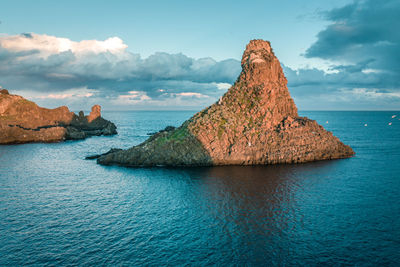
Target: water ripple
x=58 y=209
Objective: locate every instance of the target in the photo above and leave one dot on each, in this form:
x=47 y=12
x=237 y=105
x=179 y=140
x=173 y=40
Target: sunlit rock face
x=94 y=114
x=255 y=122
x=22 y=121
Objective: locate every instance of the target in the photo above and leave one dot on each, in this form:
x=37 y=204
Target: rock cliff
x=22 y=121
x=255 y=122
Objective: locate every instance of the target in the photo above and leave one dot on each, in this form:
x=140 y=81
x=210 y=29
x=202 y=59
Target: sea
x=58 y=209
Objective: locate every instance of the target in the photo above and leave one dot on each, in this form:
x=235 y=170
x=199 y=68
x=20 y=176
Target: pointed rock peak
x=260 y=92
x=258 y=44
x=256 y=49
x=260 y=66
x=95 y=113
x=4 y=91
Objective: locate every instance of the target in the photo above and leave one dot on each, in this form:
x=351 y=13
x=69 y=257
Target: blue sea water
x=58 y=209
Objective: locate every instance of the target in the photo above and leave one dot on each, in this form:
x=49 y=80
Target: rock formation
x=255 y=122
x=22 y=121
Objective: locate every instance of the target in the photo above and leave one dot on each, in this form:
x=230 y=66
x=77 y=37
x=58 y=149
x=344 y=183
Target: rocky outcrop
x=255 y=122
x=22 y=121
x=94 y=114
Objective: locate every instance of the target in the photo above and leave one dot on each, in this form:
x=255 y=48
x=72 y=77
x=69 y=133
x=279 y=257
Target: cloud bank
x=42 y=63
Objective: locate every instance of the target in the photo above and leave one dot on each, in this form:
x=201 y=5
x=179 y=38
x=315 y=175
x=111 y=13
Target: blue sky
x=184 y=54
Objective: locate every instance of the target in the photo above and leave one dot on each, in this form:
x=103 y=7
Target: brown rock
x=255 y=122
x=4 y=91
x=95 y=113
x=22 y=121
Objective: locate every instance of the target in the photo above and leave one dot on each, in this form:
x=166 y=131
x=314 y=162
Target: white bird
x=390 y=123
x=327 y=121
x=365 y=125
x=394 y=116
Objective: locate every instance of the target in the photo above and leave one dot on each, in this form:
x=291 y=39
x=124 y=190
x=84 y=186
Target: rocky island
x=22 y=121
x=255 y=122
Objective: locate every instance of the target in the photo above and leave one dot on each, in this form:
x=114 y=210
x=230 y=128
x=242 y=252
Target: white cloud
x=82 y=92
x=192 y=94
x=34 y=62
x=223 y=86
x=63 y=96
x=48 y=45
x=366 y=71
x=55 y=71
x=135 y=95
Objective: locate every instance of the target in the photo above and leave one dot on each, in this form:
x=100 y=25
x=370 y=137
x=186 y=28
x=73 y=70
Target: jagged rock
x=73 y=133
x=255 y=122
x=22 y=121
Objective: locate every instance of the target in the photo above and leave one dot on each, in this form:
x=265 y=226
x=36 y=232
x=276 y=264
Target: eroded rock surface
x=22 y=121
x=255 y=122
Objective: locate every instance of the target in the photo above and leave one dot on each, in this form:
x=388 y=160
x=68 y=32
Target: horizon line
x=331 y=110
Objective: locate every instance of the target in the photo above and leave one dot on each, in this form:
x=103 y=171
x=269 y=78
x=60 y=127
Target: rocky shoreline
x=22 y=121
x=255 y=122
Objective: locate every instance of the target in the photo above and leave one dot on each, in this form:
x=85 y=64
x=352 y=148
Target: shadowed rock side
x=22 y=121
x=178 y=147
x=255 y=122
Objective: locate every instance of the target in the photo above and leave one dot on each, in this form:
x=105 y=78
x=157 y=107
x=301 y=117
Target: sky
x=166 y=55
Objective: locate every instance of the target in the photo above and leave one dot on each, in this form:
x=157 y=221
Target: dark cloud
x=363 y=45
x=347 y=88
x=364 y=31
x=6 y=55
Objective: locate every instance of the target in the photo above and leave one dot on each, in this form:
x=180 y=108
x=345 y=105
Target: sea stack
x=255 y=122
x=22 y=121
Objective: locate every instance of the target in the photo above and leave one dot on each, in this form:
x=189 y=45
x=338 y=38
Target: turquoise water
x=58 y=209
